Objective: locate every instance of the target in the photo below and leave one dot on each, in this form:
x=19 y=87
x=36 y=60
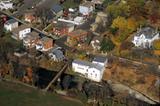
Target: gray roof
x=86 y=63
x=56 y=8
x=11 y=21
x=149 y=32
x=58 y=53
x=100 y=59
x=81 y=62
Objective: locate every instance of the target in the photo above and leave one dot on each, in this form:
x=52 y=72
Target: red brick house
x=45 y=44
x=61 y=29
x=77 y=36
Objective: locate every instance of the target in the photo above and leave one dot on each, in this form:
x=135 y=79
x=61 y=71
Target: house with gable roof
x=91 y=70
x=145 y=37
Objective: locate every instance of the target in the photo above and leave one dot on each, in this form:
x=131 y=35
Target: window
x=95 y=75
x=80 y=68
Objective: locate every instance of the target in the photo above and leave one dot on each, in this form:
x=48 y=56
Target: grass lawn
x=12 y=94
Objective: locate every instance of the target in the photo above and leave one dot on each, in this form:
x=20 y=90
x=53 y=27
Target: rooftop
x=45 y=39
x=89 y=64
x=62 y=25
x=56 y=8
x=11 y=21
x=78 y=32
x=32 y=36
x=148 y=32
x=21 y=27
x=87 y=4
x=98 y=1
x=100 y=59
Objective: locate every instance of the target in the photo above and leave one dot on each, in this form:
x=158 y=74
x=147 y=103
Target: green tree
x=107 y=45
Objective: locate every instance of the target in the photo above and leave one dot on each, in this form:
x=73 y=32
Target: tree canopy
x=156 y=44
x=107 y=45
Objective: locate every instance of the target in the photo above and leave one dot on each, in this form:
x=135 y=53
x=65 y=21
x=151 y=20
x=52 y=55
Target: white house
x=21 y=32
x=86 y=8
x=11 y=24
x=145 y=37
x=92 y=70
x=6 y=4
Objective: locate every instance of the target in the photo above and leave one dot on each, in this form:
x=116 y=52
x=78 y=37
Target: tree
x=156 y=44
x=136 y=6
x=44 y=14
x=1 y=27
x=131 y=24
x=66 y=82
x=121 y=9
x=120 y=23
x=107 y=45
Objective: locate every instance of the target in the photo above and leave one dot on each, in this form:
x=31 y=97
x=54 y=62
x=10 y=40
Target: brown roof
x=32 y=36
x=62 y=25
x=87 y=4
x=78 y=32
x=46 y=39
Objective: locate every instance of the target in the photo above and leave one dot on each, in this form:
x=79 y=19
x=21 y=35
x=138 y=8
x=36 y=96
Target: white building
x=76 y=21
x=6 y=4
x=145 y=37
x=86 y=8
x=92 y=70
x=11 y=24
x=21 y=32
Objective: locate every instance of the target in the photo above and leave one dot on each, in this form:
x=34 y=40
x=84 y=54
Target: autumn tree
x=136 y=6
x=121 y=9
x=156 y=44
x=120 y=23
x=124 y=26
x=131 y=24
